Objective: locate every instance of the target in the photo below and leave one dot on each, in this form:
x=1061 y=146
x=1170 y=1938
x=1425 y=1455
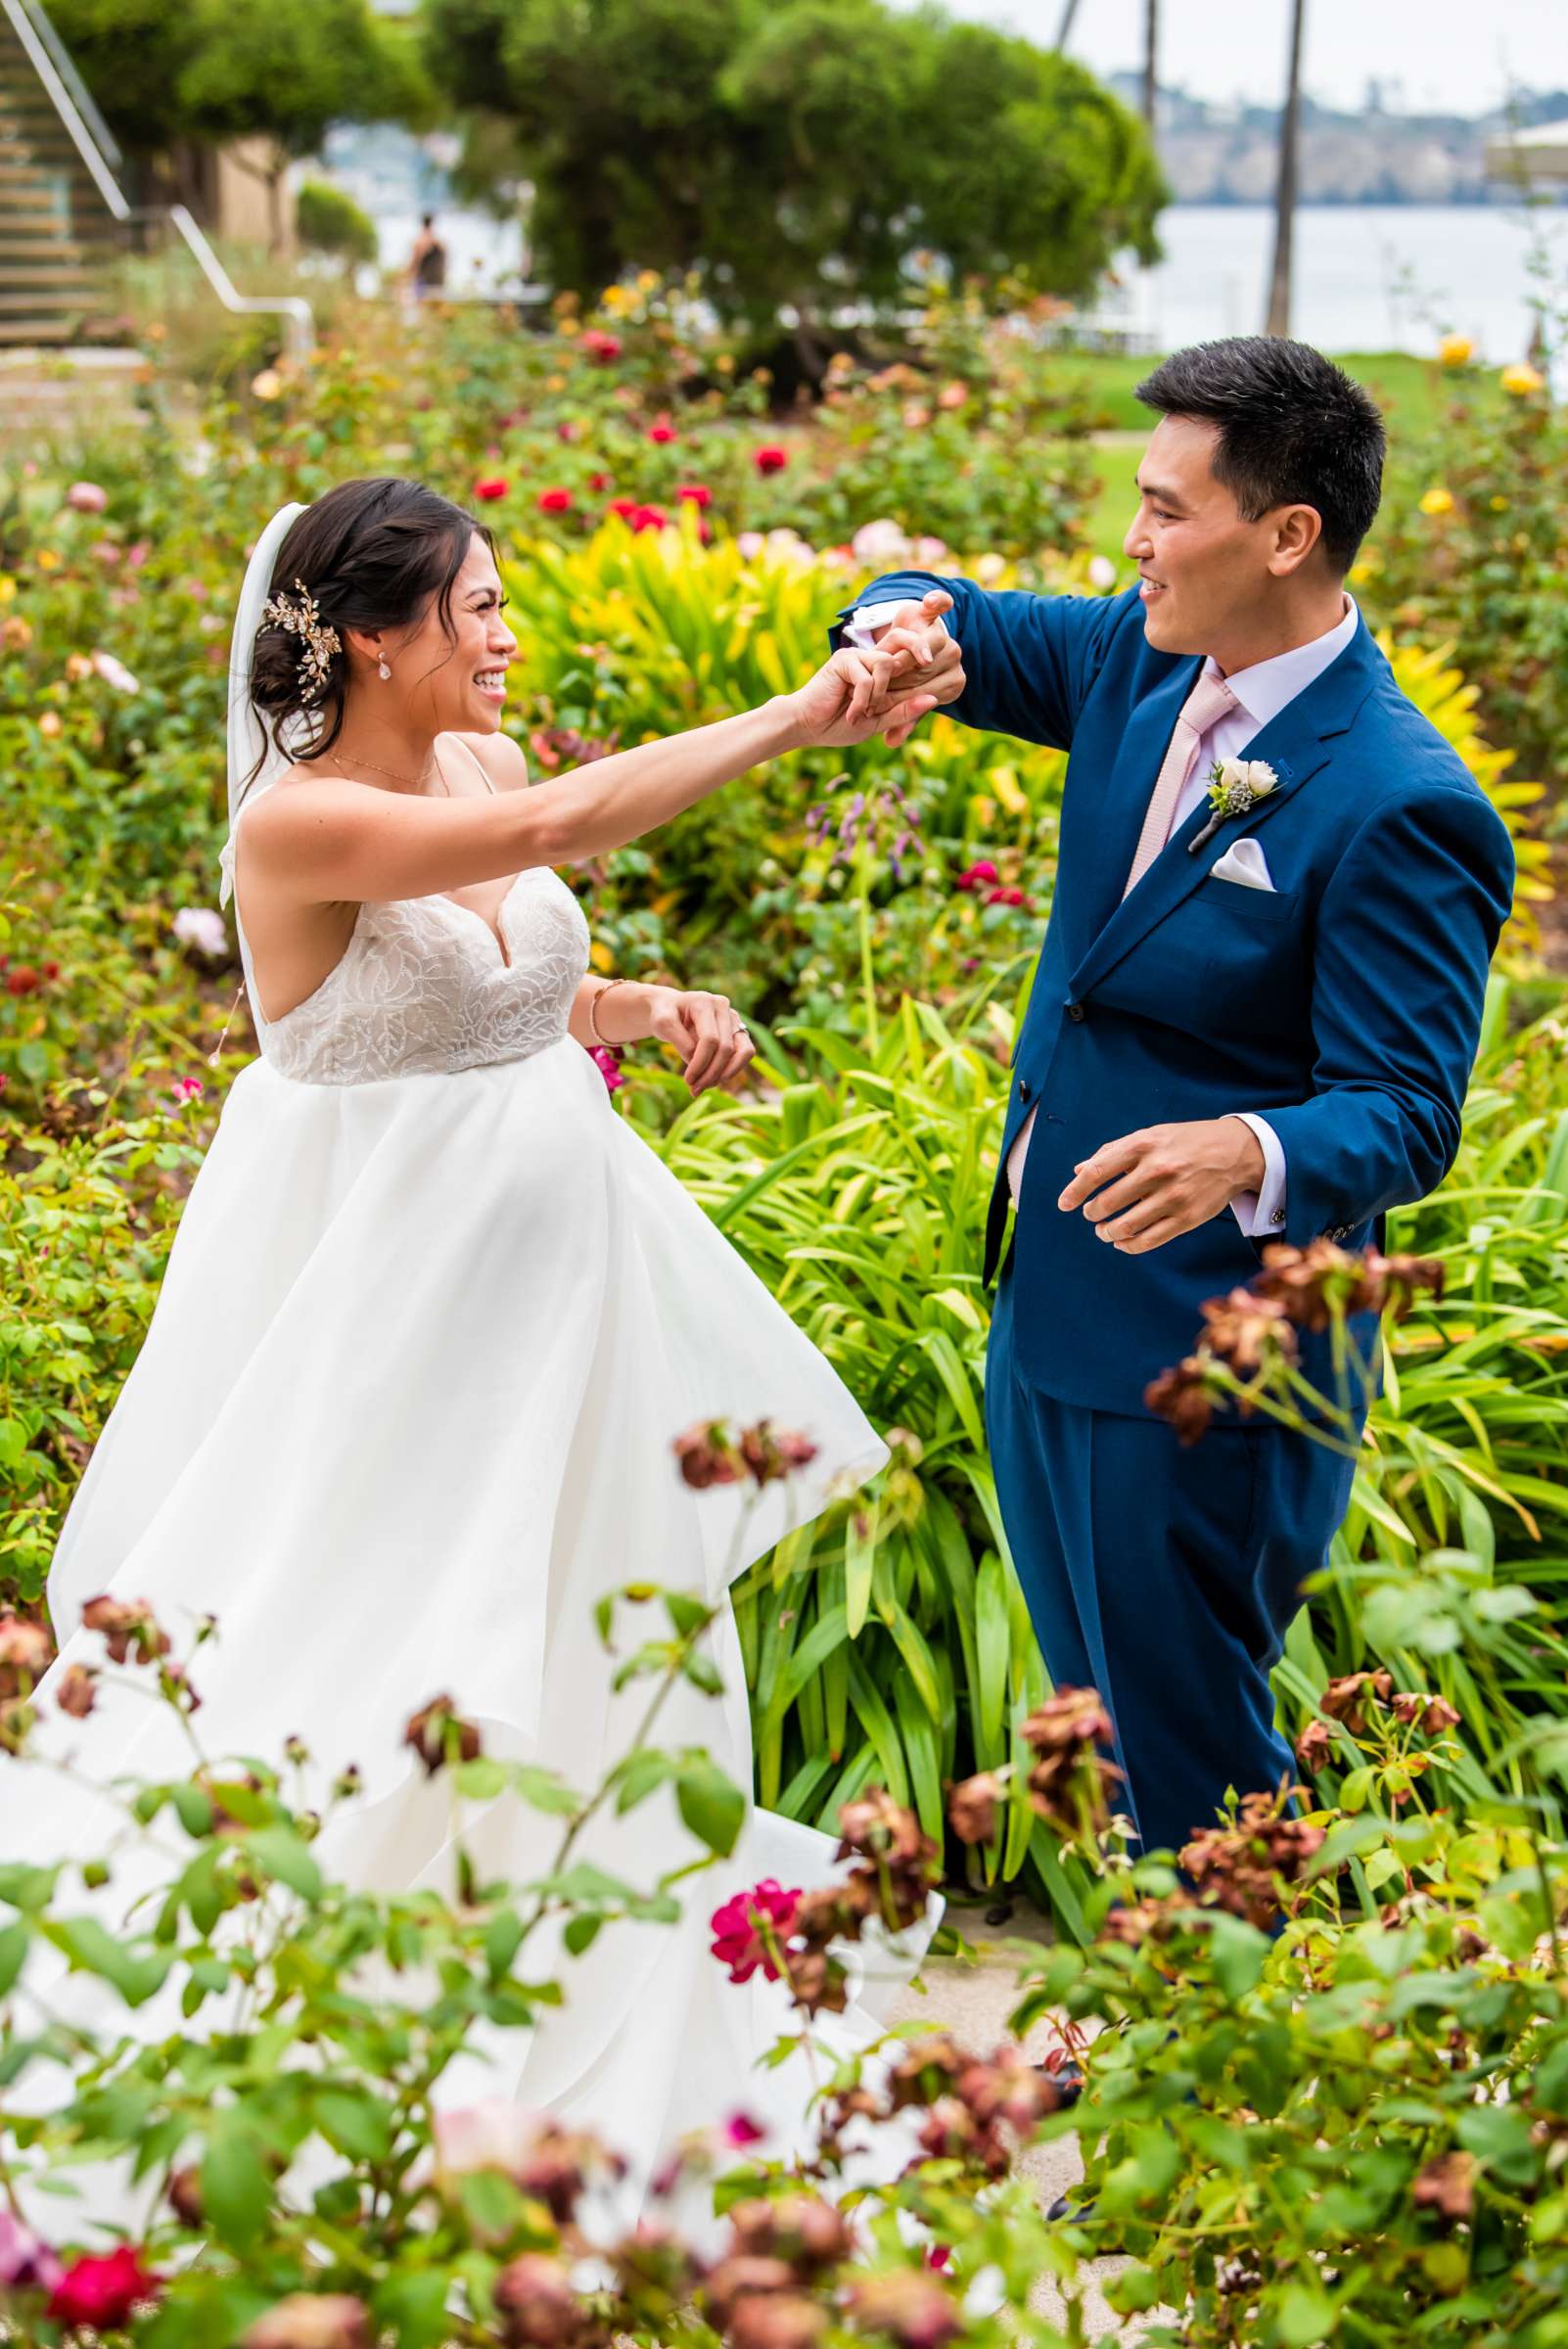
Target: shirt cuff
x=1262 y=1212
x=859 y=628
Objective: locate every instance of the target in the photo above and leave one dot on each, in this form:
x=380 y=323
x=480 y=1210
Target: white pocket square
x=1243 y=862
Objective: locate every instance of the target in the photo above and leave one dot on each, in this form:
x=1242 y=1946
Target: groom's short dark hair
x=1293 y=430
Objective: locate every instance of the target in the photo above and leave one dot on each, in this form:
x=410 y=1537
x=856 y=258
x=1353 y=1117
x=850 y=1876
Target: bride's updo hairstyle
x=370 y=554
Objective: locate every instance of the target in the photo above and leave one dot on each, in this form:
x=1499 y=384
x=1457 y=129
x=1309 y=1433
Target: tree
x=798 y=152
x=211 y=70
x=1279 y=285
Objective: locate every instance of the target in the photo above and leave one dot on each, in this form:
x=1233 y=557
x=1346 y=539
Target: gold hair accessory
x=317 y=644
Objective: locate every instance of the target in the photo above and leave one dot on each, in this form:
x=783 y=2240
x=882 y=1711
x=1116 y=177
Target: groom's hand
x=931 y=662
x=1151 y=1187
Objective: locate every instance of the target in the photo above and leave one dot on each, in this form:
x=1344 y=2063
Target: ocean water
x=1366 y=277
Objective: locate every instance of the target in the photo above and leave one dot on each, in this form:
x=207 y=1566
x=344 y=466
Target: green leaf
x=192 y=1808
x=13 y=1954
x=582 y=1932
x=354 y=2123
x=712 y=1807
x=283 y=1854
x=88 y=1945
x=236 y=2190
x=1304 y=2314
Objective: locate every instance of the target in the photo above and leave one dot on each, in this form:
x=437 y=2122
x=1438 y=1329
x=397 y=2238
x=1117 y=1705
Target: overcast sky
x=1457 y=56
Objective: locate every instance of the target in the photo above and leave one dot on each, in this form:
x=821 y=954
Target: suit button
x=1075 y=1011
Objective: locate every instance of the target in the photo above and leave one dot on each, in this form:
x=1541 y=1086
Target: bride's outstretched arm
x=338 y=840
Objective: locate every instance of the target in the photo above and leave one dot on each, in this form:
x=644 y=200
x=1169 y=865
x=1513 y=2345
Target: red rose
x=102 y=2291
x=660 y=431
x=649 y=518
x=23 y=981
x=737 y=1943
x=601 y=347
x=976 y=874
x=493 y=488
x=1005 y=896
x=770 y=458
x=598 y=480
x=627 y=507
x=51 y=970
x=566 y=431
x=555 y=501
x=695 y=495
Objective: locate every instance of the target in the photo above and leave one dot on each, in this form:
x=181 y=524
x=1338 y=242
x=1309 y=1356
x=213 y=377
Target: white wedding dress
x=433 y=1316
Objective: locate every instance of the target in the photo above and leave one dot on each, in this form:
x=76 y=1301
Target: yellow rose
x=647 y=280
x=614 y=297
x=1521 y=379
x=47 y=559
x=1456 y=350
x=1438 y=500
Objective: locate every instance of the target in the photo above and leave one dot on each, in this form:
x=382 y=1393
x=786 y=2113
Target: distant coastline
x=1228 y=155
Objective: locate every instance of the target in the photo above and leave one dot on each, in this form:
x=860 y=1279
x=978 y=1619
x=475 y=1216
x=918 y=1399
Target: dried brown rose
x=1183 y=1396
x=1432 y=1715
x=124 y=1623
x=310 y=2321
x=972 y=1807
x=77 y=1692
x=709 y=1456
x=1346 y=1699
x=917 y=2311
x=1446 y=2185
x=1247 y=1330
x=437 y=1724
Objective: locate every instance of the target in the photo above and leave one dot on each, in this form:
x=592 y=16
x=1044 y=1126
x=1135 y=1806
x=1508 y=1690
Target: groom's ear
x=1297 y=530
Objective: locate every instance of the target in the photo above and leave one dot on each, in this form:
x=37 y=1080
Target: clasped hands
x=914 y=668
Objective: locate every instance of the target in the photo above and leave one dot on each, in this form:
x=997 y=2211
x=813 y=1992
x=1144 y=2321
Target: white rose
x=198 y=926
x=1261 y=777
x=1232 y=774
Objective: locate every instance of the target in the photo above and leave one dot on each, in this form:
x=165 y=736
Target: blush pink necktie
x=1210 y=700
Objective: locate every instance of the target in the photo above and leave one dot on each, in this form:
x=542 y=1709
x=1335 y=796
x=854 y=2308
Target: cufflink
x=1278 y=1215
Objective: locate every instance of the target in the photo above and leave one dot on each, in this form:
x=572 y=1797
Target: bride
x=435 y=1313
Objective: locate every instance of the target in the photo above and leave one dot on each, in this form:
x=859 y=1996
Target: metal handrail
x=299 y=319
x=299 y=329
x=65 y=107
x=65 y=67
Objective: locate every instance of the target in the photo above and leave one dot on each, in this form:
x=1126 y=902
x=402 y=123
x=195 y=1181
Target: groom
x=1266 y=1036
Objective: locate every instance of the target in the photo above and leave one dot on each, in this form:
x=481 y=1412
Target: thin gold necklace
x=411 y=780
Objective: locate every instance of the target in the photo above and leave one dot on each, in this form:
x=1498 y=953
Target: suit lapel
x=1295 y=744
x=1100 y=829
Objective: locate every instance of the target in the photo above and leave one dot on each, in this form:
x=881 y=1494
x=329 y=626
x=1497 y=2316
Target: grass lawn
x=1408 y=387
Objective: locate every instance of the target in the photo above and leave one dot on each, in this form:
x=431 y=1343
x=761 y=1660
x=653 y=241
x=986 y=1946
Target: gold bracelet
x=594 y=1001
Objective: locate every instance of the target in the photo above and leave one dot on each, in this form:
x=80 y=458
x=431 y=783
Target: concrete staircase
x=55 y=229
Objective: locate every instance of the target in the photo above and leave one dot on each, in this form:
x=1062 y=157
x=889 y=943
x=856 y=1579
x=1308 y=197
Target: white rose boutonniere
x=1234 y=786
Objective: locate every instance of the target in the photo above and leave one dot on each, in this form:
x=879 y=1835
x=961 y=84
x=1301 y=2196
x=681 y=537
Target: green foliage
x=1468 y=550
x=802 y=154
x=332 y=223
x=215 y=70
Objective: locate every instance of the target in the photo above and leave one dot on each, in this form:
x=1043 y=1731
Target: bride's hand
x=707 y=1033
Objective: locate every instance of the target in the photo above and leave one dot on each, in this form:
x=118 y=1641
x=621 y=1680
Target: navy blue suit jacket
x=1345 y=1007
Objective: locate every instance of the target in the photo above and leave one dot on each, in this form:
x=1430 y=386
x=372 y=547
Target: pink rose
x=85 y=498
x=736 y=1940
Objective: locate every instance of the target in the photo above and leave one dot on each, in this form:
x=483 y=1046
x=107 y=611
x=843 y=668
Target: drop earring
x=381 y=667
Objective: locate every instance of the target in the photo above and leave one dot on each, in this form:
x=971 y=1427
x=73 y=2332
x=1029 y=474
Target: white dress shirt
x=1260 y=692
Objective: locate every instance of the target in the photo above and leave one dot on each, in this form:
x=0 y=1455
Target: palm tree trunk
x=1151 y=52
x=1068 y=12
x=1285 y=198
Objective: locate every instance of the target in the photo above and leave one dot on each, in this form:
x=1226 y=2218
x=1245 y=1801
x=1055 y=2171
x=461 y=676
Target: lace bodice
x=421 y=987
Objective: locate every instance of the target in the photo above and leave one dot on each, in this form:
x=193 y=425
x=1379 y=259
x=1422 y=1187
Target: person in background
x=427 y=263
